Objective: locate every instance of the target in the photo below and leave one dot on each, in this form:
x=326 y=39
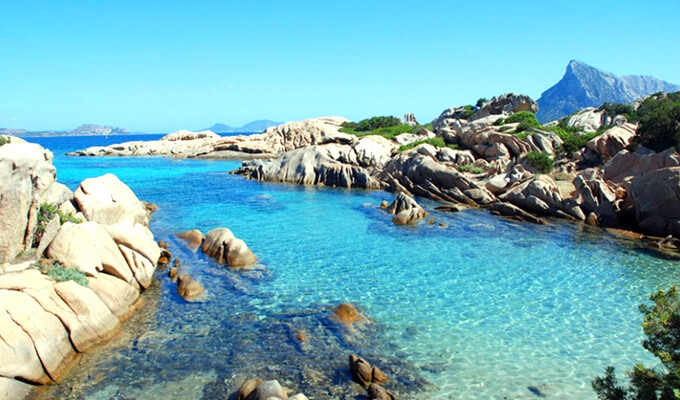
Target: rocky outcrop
x=626 y=165
x=410 y=119
x=505 y=104
x=312 y=165
x=225 y=248
x=363 y=373
x=656 y=198
x=589 y=119
x=43 y=322
x=26 y=173
x=422 y=175
x=540 y=195
x=406 y=210
x=612 y=141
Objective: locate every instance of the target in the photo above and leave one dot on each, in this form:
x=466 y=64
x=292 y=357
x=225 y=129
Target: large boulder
x=374 y=151
x=589 y=119
x=121 y=298
x=107 y=200
x=656 y=198
x=137 y=237
x=184 y=135
x=612 y=141
x=26 y=172
x=225 y=248
x=311 y=165
x=89 y=248
x=309 y=132
x=541 y=195
x=406 y=210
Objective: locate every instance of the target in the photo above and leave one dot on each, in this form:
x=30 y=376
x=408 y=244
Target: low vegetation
x=435 y=141
x=541 y=161
x=48 y=211
x=661 y=326
x=385 y=126
x=469 y=168
x=60 y=273
x=4 y=140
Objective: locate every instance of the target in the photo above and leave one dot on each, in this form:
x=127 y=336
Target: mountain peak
x=586 y=86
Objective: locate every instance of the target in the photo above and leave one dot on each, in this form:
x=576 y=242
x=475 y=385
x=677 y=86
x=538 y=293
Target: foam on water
x=482 y=308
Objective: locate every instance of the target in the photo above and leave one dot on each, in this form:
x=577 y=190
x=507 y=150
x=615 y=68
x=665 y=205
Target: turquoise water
x=482 y=308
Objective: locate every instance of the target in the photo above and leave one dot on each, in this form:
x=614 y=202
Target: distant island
x=255 y=126
x=82 y=130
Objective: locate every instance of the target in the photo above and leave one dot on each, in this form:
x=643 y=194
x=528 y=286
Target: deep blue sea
x=484 y=308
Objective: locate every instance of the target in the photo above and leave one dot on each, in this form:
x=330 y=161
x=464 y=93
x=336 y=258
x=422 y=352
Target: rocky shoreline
x=74 y=265
x=605 y=183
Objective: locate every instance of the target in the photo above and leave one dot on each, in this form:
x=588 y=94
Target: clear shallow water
x=483 y=308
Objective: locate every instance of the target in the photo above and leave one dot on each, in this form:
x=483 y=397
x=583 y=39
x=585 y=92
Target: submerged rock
x=347 y=314
x=188 y=288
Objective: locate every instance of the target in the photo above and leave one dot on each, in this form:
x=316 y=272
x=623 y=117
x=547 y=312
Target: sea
x=481 y=308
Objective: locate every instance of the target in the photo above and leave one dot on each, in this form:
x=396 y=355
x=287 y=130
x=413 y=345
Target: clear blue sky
x=167 y=65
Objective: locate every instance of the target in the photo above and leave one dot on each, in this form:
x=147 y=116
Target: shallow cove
x=483 y=308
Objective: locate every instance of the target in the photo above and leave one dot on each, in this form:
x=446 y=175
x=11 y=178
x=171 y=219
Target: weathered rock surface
x=406 y=210
x=507 y=103
x=225 y=248
x=589 y=119
x=540 y=195
x=309 y=166
x=121 y=298
x=48 y=335
x=137 y=237
x=612 y=141
x=89 y=248
x=26 y=172
x=656 y=196
x=363 y=373
x=188 y=288
x=626 y=165
x=423 y=176
x=107 y=200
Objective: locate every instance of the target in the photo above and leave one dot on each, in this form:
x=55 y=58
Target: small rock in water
x=431 y=221
x=536 y=391
x=443 y=225
x=193 y=238
x=174 y=271
x=176 y=263
x=188 y=288
x=347 y=314
x=377 y=392
x=301 y=335
x=384 y=204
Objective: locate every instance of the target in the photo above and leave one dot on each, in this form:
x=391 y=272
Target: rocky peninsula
x=74 y=265
x=484 y=156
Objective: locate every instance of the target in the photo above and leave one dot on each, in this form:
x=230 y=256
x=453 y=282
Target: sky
x=160 y=66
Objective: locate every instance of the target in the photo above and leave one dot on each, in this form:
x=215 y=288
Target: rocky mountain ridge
x=585 y=86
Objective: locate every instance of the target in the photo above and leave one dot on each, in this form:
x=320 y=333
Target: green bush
x=659 y=127
x=573 y=138
x=468 y=110
x=435 y=141
x=373 y=123
x=614 y=109
x=4 y=140
x=48 y=211
x=541 y=161
x=60 y=273
x=661 y=325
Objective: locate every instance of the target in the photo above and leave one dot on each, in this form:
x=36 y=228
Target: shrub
x=48 y=211
x=4 y=140
x=613 y=109
x=661 y=325
x=60 y=273
x=541 y=161
x=573 y=138
x=468 y=110
x=659 y=127
x=480 y=102
x=435 y=141
x=373 y=123
x=526 y=119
